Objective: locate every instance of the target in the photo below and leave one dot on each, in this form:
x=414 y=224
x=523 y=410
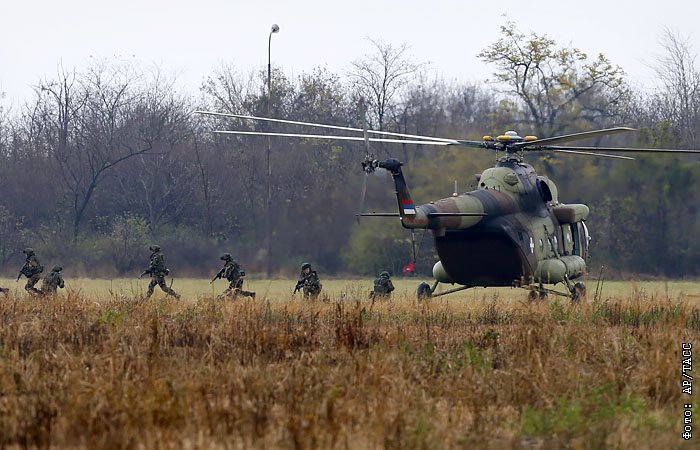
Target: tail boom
x=453 y=212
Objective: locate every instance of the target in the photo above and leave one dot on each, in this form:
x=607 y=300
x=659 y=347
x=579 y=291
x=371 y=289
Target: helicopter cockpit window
x=543 y=189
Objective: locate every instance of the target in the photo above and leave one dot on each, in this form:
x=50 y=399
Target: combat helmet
x=154 y=248
x=305 y=266
x=226 y=257
x=56 y=269
x=384 y=274
x=28 y=251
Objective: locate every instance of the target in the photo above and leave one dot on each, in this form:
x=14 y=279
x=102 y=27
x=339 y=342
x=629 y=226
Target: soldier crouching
x=309 y=282
x=53 y=281
x=383 y=286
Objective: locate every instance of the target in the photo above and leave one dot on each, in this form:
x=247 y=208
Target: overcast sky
x=194 y=37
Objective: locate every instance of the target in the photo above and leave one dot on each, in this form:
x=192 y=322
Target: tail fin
x=423 y=216
x=407 y=209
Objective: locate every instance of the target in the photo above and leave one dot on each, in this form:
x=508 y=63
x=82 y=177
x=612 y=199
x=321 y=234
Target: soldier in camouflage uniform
x=308 y=281
x=233 y=273
x=52 y=281
x=31 y=269
x=158 y=271
x=382 y=286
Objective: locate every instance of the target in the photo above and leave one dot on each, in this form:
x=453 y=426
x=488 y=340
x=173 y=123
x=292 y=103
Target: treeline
x=104 y=160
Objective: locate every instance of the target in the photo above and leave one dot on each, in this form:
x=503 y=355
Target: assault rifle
x=152 y=273
x=218 y=276
x=25 y=270
x=300 y=284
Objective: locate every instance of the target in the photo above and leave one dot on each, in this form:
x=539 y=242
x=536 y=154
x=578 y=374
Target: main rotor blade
x=473 y=144
x=603 y=155
x=334 y=127
x=339 y=138
x=434 y=214
x=453 y=214
x=621 y=149
x=574 y=137
x=373 y=214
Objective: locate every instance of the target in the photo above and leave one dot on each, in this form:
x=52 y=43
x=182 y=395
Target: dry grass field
x=99 y=367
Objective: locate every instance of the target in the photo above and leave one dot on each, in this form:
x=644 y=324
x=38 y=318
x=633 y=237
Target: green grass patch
x=594 y=413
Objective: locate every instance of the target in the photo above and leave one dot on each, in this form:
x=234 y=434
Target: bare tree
x=233 y=165
x=4 y=145
x=157 y=185
x=12 y=235
x=678 y=98
x=380 y=78
x=93 y=122
x=224 y=91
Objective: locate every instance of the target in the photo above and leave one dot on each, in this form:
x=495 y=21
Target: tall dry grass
x=341 y=373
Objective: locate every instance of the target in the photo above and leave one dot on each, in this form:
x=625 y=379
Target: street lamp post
x=275 y=28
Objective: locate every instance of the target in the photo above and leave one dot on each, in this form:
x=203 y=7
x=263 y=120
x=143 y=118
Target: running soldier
x=382 y=286
x=158 y=271
x=52 y=281
x=233 y=273
x=31 y=269
x=308 y=281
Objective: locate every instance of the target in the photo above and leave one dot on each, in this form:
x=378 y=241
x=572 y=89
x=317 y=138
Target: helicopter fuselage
x=511 y=230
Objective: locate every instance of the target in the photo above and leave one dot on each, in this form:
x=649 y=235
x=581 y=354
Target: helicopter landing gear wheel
x=424 y=291
x=578 y=292
x=535 y=295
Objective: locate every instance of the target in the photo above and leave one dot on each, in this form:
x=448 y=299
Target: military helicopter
x=511 y=231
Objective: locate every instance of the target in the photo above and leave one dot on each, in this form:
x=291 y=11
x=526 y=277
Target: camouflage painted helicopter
x=511 y=231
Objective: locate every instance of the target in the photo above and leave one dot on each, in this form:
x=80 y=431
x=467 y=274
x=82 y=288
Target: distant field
x=481 y=369
x=194 y=288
